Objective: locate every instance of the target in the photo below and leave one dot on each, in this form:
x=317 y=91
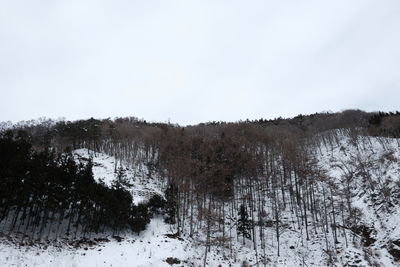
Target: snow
x=151 y=247
x=381 y=157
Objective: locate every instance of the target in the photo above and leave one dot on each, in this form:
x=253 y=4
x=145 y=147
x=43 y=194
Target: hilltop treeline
x=93 y=133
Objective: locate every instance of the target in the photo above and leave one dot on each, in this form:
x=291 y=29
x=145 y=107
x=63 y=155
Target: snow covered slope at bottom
x=150 y=248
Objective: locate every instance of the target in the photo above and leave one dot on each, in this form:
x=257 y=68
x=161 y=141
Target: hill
x=315 y=190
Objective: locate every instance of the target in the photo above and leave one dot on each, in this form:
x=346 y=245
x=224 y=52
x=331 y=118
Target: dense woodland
x=42 y=190
x=229 y=180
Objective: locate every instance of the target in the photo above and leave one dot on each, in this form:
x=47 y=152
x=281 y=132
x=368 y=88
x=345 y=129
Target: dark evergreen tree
x=244 y=224
x=171 y=204
x=140 y=217
x=156 y=204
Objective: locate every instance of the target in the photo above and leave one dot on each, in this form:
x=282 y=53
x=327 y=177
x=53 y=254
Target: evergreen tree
x=156 y=204
x=244 y=224
x=141 y=217
x=121 y=179
x=170 y=205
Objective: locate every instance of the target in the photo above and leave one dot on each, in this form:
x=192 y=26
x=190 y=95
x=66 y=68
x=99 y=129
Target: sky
x=193 y=61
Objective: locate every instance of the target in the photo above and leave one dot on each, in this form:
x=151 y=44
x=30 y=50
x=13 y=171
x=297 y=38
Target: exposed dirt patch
x=172 y=261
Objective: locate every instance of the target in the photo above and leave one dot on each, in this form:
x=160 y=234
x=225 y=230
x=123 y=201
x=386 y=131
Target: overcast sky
x=195 y=61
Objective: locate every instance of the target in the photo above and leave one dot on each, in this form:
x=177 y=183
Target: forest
x=42 y=190
x=227 y=180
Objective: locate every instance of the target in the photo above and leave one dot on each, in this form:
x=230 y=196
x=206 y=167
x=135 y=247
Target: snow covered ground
x=373 y=165
x=150 y=248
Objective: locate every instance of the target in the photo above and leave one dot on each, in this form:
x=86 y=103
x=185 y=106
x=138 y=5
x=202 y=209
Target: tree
x=141 y=217
x=170 y=205
x=121 y=179
x=244 y=224
x=156 y=204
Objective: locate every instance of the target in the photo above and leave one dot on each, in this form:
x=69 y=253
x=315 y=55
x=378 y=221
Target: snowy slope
x=150 y=248
x=105 y=168
x=374 y=165
x=379 y=158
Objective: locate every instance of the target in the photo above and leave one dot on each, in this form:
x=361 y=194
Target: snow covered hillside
x=364 y=169
x=156 y=246
x=370 y=167
x=137 y=180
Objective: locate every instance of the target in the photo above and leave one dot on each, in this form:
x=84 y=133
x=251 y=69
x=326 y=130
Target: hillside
x=151 y=247
x=308 y=191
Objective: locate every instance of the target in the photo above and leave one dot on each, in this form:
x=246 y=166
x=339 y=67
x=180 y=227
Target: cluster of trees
x=385 y=124
x=44 y=194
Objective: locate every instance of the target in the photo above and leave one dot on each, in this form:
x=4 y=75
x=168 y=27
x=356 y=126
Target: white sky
x=195 y=61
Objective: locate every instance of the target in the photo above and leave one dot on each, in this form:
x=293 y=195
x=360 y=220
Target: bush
x=140 y=217
x=156 y=204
